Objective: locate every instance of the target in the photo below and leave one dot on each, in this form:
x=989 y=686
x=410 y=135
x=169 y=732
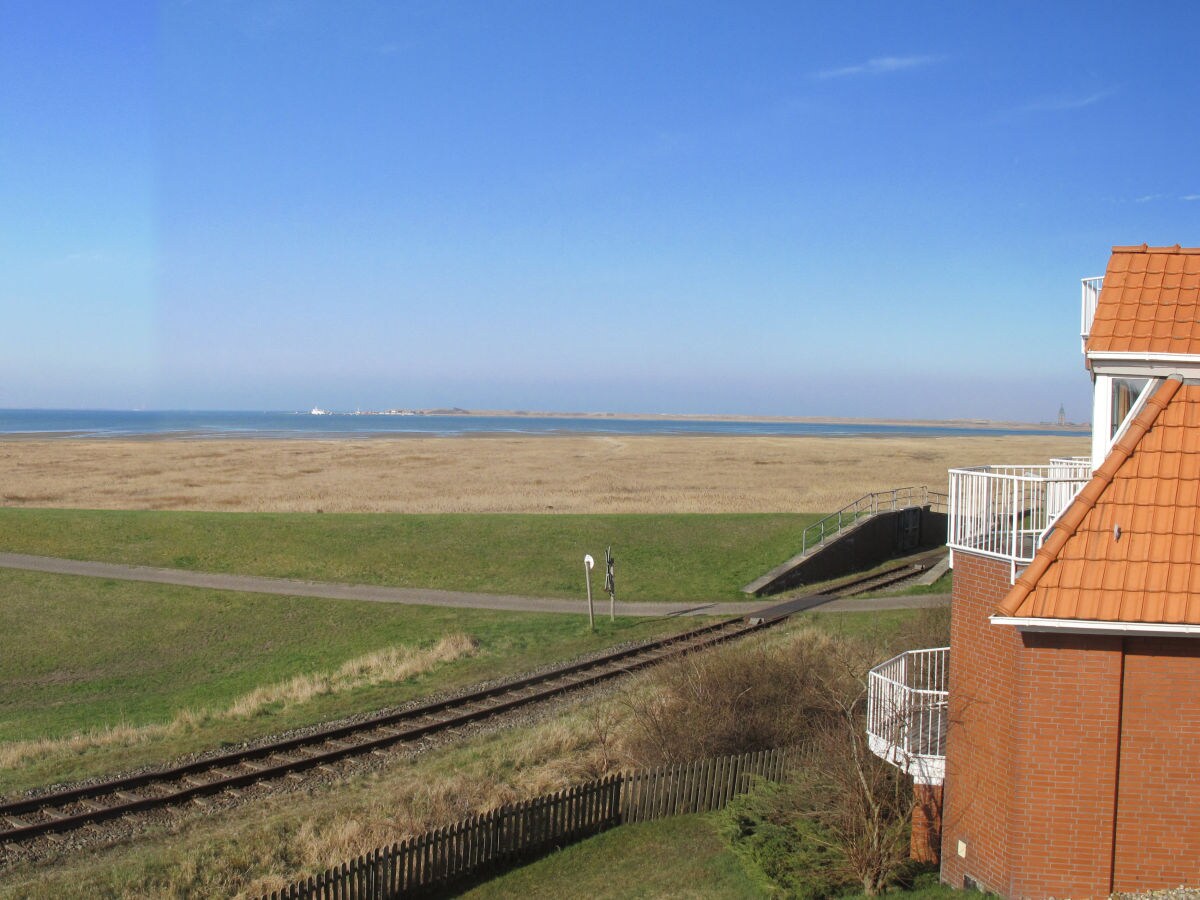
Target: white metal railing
x=907 y=712
x=1005 y=511
x=1065 y=472
x=1091 y=294
x=869 y=505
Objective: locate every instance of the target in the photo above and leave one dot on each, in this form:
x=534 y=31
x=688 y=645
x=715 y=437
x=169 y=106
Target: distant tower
x=1062 y=414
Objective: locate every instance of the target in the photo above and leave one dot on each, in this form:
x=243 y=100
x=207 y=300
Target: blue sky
x=774 y=208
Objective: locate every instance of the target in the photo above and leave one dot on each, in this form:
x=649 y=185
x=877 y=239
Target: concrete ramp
x=873 y=529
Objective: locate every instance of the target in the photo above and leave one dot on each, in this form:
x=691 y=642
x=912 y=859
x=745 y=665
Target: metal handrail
x=869 y=505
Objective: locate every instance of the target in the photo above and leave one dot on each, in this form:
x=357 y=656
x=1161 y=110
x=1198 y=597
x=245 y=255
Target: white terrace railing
x=1004 y=511
x=907 y=712
x=1091 y=294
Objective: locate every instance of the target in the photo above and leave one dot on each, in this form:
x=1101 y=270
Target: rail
x=1091 y=295
x=1005 y=511
x=907 y=712
x=868 y=505
x=66 y=810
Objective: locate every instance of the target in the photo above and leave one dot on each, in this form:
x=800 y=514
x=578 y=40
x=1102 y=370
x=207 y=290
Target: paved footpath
x=415 y=596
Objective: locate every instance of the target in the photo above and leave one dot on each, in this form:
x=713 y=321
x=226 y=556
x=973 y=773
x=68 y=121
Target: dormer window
x=1125 y=392
x=1117 y=400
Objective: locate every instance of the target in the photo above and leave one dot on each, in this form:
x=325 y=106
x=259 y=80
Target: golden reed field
x=576 y=474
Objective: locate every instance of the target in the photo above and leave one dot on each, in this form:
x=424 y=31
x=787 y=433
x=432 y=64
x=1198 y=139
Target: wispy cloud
x=1062 y=102
x=1051 y=103
x=82 y=256
x=1190 y=197
x=880 y=65
x=1146 y=198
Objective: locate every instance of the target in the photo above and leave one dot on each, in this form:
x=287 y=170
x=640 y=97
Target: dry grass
x=590 y=741
x=580 y=474
x=388 y=665
x=392 y=664
x=247 y=855
x=554 y=754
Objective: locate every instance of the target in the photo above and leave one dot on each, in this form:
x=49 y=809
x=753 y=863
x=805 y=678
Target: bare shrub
x=734 y=700
x=862 y=805
x=851 y=809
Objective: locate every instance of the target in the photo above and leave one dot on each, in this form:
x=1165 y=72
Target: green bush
x=787 y=856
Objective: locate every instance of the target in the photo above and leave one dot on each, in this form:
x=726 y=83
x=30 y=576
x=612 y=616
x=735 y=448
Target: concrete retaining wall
x=863 y=546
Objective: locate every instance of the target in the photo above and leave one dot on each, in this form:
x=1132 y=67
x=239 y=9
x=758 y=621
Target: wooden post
x=610 y=584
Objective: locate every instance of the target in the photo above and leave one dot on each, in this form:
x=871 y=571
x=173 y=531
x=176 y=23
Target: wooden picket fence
x=521 y=831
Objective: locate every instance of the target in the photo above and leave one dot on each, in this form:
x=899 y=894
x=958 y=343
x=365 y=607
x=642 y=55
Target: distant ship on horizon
x=317 y=411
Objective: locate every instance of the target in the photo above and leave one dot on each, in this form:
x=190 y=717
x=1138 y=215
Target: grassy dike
x=81 y=654
x=659 y=557
x=158 y=670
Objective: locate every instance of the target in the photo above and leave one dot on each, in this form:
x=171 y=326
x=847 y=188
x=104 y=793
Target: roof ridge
x=1146 y=248
x=1067 y=524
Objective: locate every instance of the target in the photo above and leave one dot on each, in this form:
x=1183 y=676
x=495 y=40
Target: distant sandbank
x=997 y=424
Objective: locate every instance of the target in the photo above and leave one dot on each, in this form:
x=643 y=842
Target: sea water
x=302 y=424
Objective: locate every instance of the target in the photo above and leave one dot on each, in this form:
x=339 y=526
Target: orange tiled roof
x=1150 y=302
x=1149 y=485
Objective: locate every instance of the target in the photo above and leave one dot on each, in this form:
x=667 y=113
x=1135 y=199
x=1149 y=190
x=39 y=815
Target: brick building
x=1066 y=751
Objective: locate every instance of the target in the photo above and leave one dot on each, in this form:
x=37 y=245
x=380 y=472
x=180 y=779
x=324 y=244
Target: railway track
x=885 y=578
x=879 y=580
x=67 y=810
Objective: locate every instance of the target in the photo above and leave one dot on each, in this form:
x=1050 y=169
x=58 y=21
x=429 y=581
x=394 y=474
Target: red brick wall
x=1068 y=710
x=1037 y=788
x=979 y=743
x=926 y=843
x=1158 y=818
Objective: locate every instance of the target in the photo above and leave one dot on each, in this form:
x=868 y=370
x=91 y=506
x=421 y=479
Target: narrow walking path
x=259 y=584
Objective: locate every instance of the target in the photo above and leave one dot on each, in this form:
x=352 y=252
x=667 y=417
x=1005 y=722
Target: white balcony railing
x=907 y=712
x=1091 y=294
x=1005 y=511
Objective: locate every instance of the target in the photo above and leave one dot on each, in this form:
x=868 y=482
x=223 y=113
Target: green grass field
x=659 y=557
x=681 y=857
x=83 y=653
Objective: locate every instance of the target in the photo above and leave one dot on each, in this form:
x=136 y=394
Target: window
x=1125 y=392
